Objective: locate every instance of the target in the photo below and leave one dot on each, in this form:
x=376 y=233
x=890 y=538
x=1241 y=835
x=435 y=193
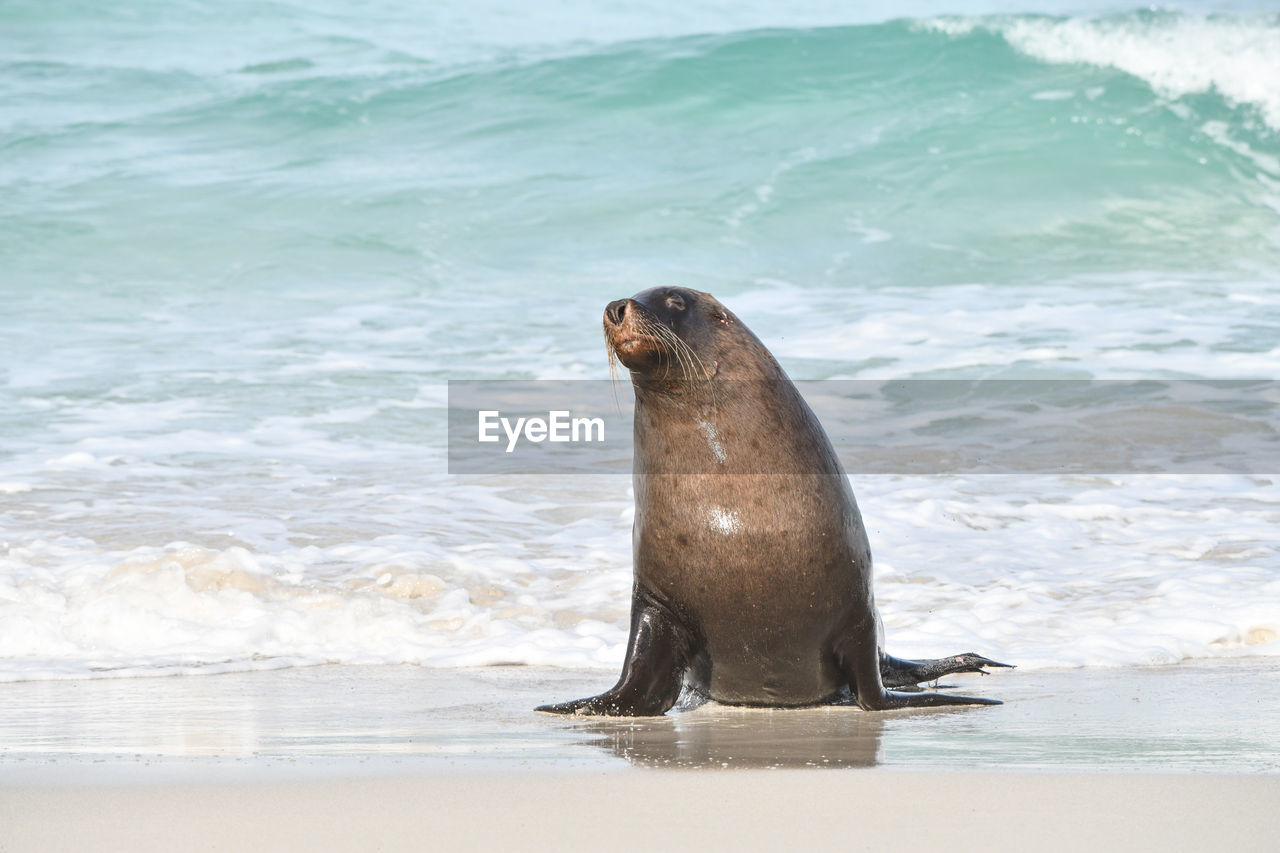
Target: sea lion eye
x=675 y=302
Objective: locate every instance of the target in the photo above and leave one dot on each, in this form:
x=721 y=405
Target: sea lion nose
x=616 y=310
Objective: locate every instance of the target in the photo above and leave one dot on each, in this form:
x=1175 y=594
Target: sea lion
x=752 y=567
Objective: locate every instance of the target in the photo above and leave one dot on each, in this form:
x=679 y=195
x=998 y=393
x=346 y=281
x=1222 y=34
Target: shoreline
x=342 y=758
x=318 y=722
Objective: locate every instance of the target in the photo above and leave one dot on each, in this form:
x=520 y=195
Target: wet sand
x=334 y=758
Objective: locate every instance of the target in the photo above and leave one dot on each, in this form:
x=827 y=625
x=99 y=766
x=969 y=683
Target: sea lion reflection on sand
x=742 y=738
x=752 y=568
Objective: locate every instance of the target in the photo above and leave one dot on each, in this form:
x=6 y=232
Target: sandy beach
x=752 y=810
x=341 y=758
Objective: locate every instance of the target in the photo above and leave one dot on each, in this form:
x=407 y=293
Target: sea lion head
x=667 y=332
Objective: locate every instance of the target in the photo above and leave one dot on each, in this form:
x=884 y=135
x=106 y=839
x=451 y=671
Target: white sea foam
x=188 y=609
x=1077 y=328
x=1041 y=571
x=1130 y=570
x=315 y=525
x=1176 y=54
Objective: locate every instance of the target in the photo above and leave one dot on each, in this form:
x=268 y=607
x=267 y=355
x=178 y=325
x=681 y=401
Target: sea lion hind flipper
x=899 y=672
x=659 y=652
x=860 y=661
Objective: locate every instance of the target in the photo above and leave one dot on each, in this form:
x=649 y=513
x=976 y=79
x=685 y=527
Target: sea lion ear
x=721 y=316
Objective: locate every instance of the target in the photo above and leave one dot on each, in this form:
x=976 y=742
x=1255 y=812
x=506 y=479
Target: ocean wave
x=1176 y=54
x=189 y=609
x=1075 y=571
x=1237 y=57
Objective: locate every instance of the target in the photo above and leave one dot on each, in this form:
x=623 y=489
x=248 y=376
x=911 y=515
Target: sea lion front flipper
x=898 y=672
x=658 y=653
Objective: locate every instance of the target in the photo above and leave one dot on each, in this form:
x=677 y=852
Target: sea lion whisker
x=677 y=348
x=684 y=353
x=663 y=337
x=688 y=359
x=613 y=373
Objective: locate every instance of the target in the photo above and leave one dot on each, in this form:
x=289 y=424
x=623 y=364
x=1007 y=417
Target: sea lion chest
x=749 y=533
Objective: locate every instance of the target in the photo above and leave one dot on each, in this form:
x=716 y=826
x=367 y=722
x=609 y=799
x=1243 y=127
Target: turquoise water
x=242 y=246
x=158 y=150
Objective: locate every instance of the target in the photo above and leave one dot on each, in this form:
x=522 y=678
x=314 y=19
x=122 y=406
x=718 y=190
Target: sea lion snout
x=615 y=311
x=629 y=333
